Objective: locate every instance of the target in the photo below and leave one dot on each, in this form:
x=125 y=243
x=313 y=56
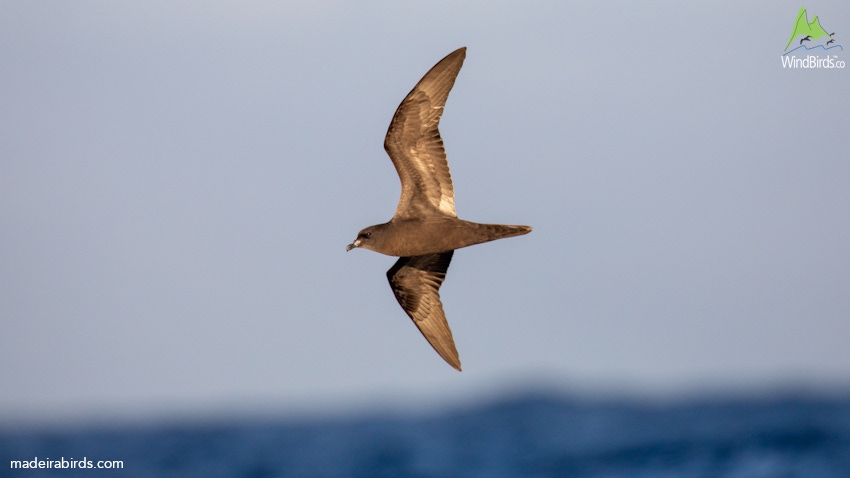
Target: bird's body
x=415 y=237
x=425 y=230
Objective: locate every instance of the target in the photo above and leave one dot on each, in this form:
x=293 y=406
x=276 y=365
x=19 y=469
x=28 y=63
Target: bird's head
x=368 y=238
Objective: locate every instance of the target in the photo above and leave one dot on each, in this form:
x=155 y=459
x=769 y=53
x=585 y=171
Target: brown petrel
x=425 y=230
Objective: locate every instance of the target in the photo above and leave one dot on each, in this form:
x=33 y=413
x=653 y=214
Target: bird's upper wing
x=415 y=147
x=416 y=284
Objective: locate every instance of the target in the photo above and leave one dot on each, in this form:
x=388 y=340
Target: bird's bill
x=352 y=245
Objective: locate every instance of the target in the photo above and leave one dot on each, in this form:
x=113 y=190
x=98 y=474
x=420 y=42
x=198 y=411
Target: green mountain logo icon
x=805 y=30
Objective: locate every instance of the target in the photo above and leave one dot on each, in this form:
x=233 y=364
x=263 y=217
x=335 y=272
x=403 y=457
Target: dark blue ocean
x=522 y=435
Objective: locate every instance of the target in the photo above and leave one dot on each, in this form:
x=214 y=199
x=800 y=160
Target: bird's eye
x=368 y=235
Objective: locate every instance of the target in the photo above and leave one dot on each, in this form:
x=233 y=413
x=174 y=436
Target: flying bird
x=806 y=38
x=830 y=35
x=425 y=229
x=830 y=41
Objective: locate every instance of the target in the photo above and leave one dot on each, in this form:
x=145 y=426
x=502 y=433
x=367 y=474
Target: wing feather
x=416 y=284
x=415 y=147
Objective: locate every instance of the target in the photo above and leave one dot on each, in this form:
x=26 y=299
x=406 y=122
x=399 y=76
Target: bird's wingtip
x=452 y=359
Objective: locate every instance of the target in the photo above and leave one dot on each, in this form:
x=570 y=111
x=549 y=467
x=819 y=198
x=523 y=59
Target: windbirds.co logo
x=811 y=38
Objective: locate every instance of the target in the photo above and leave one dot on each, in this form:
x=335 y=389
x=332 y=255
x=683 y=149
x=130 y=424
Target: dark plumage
x=425 y=230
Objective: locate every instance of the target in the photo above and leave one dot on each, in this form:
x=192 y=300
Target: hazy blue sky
x=178 y=181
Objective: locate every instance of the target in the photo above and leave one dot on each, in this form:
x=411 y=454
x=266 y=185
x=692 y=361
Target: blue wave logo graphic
x=816 y=47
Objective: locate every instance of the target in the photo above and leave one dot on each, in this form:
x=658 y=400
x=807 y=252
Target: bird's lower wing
x=416 y=284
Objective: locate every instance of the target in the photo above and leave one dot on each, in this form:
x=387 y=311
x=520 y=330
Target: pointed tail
x=491 y=232
x=501 y=231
